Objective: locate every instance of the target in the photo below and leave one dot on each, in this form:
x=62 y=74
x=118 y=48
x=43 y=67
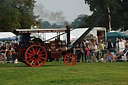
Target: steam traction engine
x=37 y=52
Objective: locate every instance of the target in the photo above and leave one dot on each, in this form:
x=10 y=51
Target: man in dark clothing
x=78 y=52
x=3 y=49
x=110 y=46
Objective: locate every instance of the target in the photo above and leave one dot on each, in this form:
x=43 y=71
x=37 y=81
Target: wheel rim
x=36 y=55
x=70 y=59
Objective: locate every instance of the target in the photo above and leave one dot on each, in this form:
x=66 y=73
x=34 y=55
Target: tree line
x=16 y=14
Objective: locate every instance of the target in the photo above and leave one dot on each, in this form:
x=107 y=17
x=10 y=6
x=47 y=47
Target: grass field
x=57 y=73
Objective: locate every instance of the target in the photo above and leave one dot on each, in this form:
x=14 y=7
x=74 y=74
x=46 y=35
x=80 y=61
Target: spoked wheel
x=70 y=59
x=35 y=55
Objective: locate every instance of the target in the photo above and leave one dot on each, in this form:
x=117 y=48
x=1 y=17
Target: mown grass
x=57 y=73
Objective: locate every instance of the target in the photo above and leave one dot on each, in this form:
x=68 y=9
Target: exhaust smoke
x=49 y=15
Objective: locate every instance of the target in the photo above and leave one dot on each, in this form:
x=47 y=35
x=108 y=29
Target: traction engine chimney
x=68 y=35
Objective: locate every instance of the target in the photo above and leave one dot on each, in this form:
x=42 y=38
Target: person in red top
x=87 y=50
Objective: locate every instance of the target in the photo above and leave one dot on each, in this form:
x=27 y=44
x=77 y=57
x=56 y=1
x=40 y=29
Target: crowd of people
x=91 y=50
x=87 y=51
x=7 y=53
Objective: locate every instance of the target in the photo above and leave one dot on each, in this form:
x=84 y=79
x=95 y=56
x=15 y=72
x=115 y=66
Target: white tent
x=79 y=31
x=7 y=36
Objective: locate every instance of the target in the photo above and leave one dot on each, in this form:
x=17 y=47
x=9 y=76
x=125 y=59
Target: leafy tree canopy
x=118 y=8
x=79 y=21
x=9 y=16
x=16 y=14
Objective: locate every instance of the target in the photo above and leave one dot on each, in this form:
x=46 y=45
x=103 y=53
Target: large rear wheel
x=35 y=55
x=70 y=59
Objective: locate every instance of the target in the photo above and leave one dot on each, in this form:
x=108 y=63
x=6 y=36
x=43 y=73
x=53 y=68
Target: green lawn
x=57 y=73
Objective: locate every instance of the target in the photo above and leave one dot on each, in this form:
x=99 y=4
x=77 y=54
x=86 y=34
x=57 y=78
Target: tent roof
x=7 y=36
x=39 y=30
x=116 y=34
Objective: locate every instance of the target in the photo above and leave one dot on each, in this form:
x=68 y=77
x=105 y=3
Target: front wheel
x=70 y=59
x=35 y=55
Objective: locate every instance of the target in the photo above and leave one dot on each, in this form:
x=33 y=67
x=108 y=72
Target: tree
x=46 y=24
x=27 y=17
x=118 y=8
x=79 y=21
x=9 y=16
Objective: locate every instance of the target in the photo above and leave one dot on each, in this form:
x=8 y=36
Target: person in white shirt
x=94 y=51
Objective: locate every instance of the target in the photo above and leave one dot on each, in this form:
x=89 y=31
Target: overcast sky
x=59 y=10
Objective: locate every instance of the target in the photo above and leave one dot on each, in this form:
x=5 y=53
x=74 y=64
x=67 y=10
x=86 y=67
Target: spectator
x=3 y=52
x=117 y=46
x=121 y=45
x=84 y=46
x=85 y=41
x=78 y=52
x=8 y=53
x=123 y=40
x=119 y=56
x=110 y=46
x=102 y=50
x=126 y=48
x=98 y=50
x=100 y=47
x=87 y=50
x=94 y=51
x=109 y=57
x=126 y=45
x=14 y=54
x=83 y=51
x=90 y=48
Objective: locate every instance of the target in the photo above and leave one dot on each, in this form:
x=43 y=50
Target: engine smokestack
x=68 y=35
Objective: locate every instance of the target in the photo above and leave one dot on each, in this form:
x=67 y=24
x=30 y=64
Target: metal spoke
x=41 y=52
x=30 y=55
x=42 y=58
x=32 y=62
x=38 y=62
x=35 y=61
x=39 y=59
x=41 y=55
x=33 y=50
x=38 y=51
x=31 y=59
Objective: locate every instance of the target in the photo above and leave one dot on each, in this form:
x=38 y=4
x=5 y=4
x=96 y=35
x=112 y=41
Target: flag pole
x=109 y=16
